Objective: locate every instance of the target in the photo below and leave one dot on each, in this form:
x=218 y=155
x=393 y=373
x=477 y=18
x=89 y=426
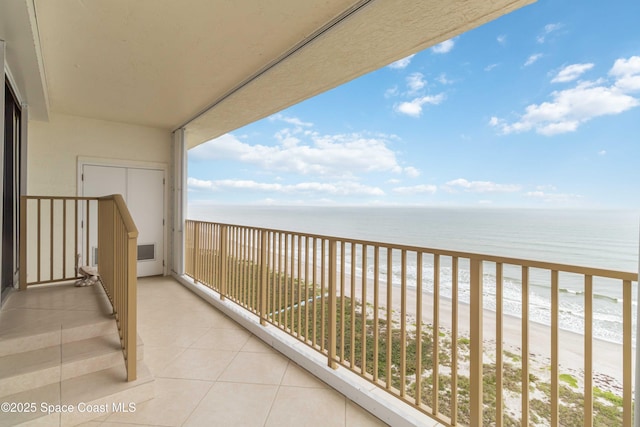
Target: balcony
x=203 y=368
x=360 y=306
x=309 y=329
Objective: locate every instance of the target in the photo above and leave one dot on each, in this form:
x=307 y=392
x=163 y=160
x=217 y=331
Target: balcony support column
x=179 y=199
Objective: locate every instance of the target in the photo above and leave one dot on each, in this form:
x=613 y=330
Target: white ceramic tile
x=255 y=368
x=233 y=404
x=198 y=364
x=313 y=407
x=174 y=401
x=222 y=339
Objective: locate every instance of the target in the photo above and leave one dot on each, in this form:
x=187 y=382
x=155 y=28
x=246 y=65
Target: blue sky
x=540 y=108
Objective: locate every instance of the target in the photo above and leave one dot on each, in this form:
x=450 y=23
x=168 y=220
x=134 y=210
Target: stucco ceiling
x=162 y=63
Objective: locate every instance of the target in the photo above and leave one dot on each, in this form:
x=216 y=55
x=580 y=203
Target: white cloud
x=490 y=67
x=402 y=63
x=414 y=108
x=416 y=82
x=532 y=59
x=444 y=47
x=412 y=172
x=548 y=29
x=502 y=39
x=627 y=73
x=291 y=120
x=416 y=189
x=324 y=155
x=553 y=198
x=602 y=153
x=571 y=72
x=442 y=79
x=480 y=186
x=340 y=188
x=626 y=67
x=391 y=92
x=547 y=187
x=570 y=108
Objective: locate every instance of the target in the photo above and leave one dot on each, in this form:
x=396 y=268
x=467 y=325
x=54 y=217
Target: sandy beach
x=607 y=356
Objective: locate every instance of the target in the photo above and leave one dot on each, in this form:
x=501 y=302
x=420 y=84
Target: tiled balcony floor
x=211 y=372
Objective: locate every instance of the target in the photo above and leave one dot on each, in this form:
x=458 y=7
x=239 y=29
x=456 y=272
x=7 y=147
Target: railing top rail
x=568 y=268
x=58 y=198
x=127 y=219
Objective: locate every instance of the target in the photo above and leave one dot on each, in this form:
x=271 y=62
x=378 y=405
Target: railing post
x=223 y=261
x=132 y=314
x=331 y=344
x=23 y=243
x=475 y=379
x=263 y=276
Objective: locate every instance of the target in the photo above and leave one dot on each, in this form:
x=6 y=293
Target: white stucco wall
x=54 y=147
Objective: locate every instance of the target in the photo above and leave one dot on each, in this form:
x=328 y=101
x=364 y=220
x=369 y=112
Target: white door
x=143 y=191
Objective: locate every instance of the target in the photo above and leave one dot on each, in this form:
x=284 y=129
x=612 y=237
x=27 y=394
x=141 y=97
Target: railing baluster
x=475 y=380
x=314 y=279
x=224 y=243
x=588 y=350
x=555 y=307
x=403 y=323
x=292 y=289
x=342 y=300
x=363 y=312
x=376 y=326
x=87 y=234
x=23 y=243
x=525 y=347
x=64 y=239
x=323 y=254
x=499 y=338
x=352 y=317
x=51 y=238
x=436 y=336
x=418 y=386
x=299 y=296
x=454 y=340
x=331 y=345
x=627 y=377
x=286 y=280
x=389 y=319
x=75 y=239
x=306 y=289
x=264 y=269
x=39 y=251
x=196 y=251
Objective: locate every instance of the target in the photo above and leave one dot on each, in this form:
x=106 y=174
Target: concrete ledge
x=370 y=397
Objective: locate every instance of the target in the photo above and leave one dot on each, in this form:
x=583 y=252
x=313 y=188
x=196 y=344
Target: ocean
x=592 y=238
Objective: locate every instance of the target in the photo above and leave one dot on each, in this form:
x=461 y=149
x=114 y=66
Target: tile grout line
x=199 y=402
x=275 y=396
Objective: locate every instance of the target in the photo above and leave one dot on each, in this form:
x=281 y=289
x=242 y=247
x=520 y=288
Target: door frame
x=136 y=164
x=19 y=172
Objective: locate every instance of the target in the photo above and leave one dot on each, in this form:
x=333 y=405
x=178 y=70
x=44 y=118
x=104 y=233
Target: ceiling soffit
x=374 y=36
